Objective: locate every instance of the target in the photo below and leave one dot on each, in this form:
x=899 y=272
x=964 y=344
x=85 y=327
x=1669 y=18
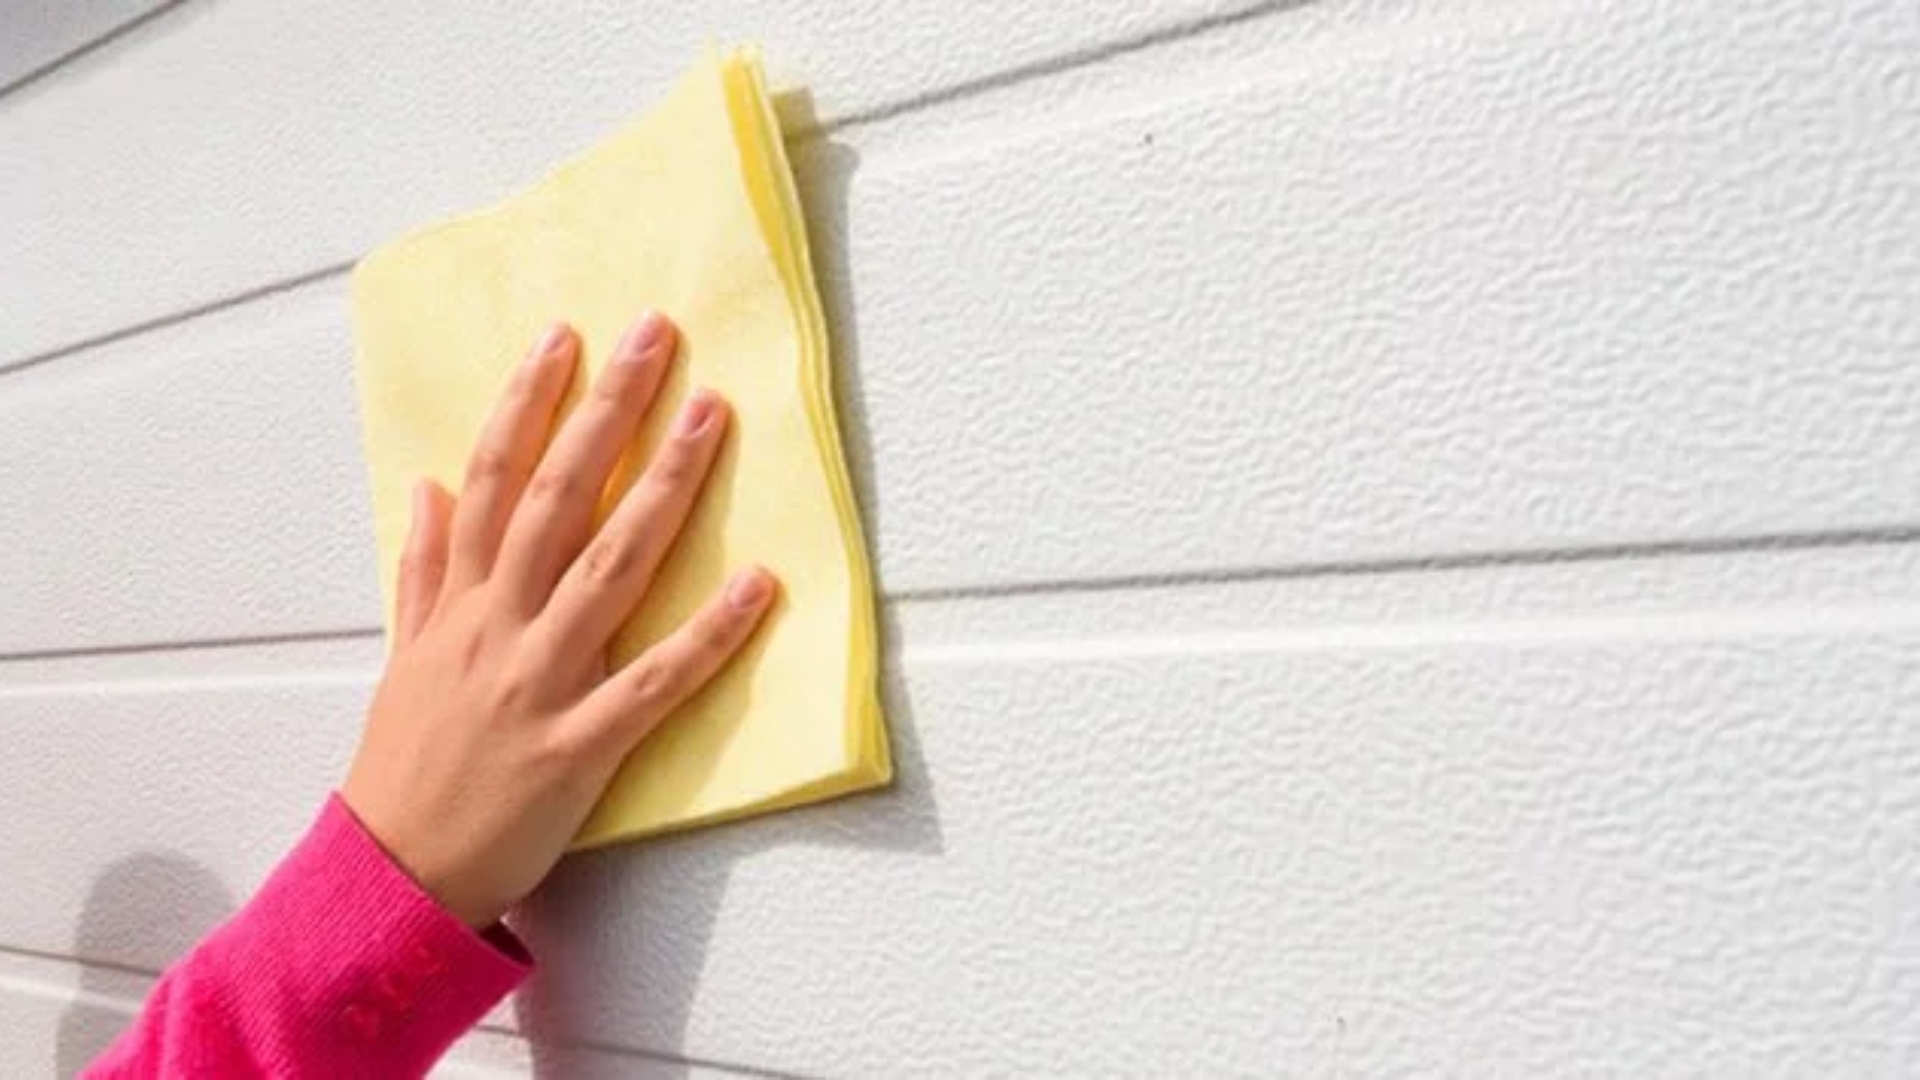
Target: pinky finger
x=423 y=565
x=634 y=700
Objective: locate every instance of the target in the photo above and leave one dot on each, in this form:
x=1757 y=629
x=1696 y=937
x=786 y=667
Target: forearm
x=340 y=966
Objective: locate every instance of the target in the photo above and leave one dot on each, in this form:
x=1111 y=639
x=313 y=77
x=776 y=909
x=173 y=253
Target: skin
x=497 y=726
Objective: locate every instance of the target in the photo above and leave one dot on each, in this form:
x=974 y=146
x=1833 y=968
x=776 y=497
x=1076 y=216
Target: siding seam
x=105 y=39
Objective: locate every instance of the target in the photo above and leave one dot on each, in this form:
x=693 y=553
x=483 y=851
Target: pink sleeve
x=340 y=966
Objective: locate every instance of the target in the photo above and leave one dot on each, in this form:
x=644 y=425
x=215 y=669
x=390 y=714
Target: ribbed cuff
x=342 y=953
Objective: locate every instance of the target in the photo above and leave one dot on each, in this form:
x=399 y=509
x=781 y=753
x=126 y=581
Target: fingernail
x=645 y=340
x=695 y=415
x=419 y=501
x=550 y=342
x=749 y=589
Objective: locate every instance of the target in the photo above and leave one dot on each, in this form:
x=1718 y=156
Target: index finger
x=505 y=455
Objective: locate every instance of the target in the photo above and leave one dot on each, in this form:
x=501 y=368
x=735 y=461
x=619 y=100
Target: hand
x=496 y=726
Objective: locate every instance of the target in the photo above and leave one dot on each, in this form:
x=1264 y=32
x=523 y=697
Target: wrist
x=418 y=859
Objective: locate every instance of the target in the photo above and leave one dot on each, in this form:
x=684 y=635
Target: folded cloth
x=692 y=211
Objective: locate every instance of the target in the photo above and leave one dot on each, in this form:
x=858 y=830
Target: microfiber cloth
x=691 y=210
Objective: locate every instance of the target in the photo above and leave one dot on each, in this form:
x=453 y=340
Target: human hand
x=496 y=726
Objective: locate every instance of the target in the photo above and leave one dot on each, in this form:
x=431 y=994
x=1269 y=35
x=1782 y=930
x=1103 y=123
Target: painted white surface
x=1397 y=521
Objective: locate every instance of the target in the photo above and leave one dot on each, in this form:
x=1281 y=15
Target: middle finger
x=612 y=574
x=555 y=518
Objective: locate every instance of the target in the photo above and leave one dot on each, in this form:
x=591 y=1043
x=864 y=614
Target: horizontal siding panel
x=201 y=483
x=1600 y=278
x=1487 y=848
x=144 y=811
x=1642 y=858
x=255 y=142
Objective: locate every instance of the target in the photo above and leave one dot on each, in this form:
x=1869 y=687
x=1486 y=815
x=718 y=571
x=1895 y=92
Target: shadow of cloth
x=142 y=912
x=622 y=933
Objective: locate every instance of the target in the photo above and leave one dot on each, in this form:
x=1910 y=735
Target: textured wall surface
x=1397 y=521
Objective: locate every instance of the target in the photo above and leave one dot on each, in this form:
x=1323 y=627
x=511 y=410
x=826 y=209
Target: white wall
x=1397 y=521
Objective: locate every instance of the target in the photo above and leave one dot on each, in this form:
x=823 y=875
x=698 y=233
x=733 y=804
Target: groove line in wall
x=129 y=1006
x=1493 y=558
x=1694 y=625
x=929 y=101
x=1048 y=67
x=597 y=1046
x=213 y=644
x=176 y=318
x=100 y=41
x=1489 y=561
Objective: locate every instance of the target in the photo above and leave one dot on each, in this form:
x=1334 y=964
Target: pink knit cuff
x=366 y=967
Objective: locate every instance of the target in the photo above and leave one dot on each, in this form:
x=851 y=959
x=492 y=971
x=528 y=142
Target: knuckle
x=568 y=744
x=716 y=634
x=489 y=463
x=422 y=564
x=609 y=560
x=652 y=685
x=611 y=389
x=555 y=486
x=521 y=388
x=515 y=692
x=678 y=467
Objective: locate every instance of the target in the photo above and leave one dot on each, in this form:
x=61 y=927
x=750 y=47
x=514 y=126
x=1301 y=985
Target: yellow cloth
x=692 y=211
